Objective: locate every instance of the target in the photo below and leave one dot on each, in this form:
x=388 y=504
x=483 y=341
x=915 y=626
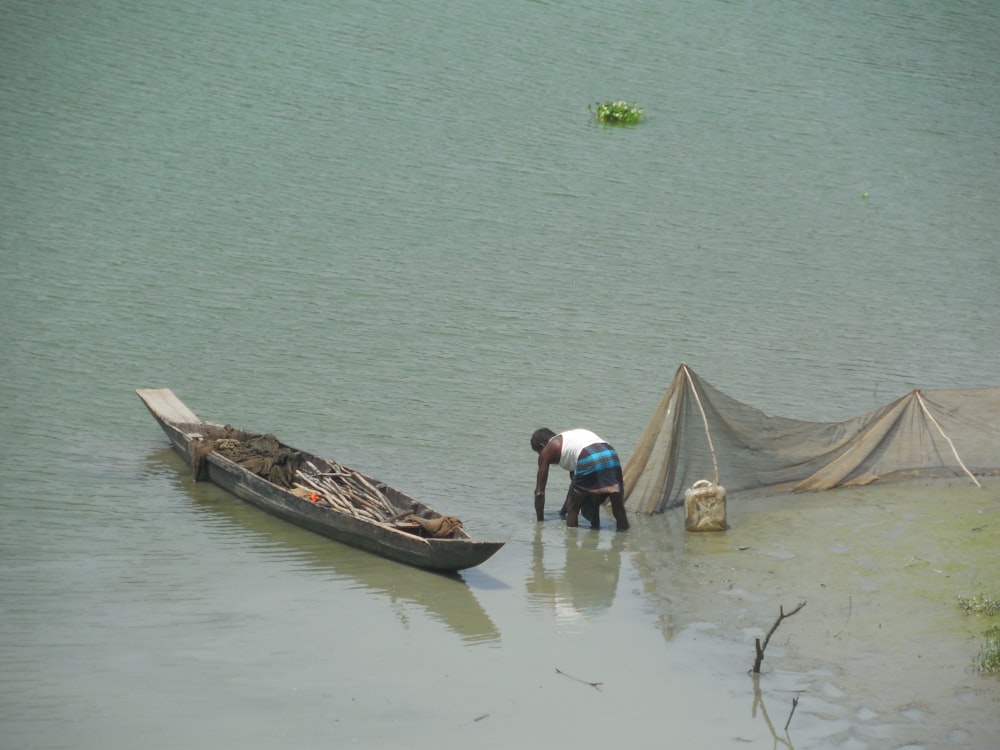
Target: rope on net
x=704 y=419
x=920 y=400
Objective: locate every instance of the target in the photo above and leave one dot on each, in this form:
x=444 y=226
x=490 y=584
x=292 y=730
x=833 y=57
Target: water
x=392 y=233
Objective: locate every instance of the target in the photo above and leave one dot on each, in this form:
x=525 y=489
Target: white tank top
x=573 y=443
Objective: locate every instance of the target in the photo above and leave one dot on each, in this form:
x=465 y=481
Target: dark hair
x=540 y=437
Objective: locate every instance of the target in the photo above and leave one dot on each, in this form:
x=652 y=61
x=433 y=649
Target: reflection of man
x=588 y=580
x=595 y=474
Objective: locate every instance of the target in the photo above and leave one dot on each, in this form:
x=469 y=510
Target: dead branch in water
x=595 y=685
x=767 y=638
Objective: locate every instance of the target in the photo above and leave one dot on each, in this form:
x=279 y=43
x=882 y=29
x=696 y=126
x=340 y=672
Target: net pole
x=958 y=458
x=704 y=419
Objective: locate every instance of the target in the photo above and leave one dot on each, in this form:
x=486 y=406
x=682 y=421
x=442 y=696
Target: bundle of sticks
x=344 y=490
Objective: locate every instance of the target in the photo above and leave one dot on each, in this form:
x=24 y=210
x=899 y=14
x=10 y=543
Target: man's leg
x=590 y=509
x=565 y=505
x=618 y=510
x=574 y=500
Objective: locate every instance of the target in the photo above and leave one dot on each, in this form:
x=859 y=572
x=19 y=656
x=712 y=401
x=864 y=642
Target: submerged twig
x=760 y=648
x=850 y=607
x=795 y=702
x=595 y=685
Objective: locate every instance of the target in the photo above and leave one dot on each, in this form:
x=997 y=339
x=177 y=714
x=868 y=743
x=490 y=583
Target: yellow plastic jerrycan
x=705 y=507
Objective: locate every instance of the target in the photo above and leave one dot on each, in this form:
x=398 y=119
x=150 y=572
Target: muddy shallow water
x=275 y=636
x=881 y=654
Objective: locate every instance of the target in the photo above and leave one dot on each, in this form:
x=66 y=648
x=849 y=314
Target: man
x=595 y=474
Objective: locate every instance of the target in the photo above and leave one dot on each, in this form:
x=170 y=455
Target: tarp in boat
x=697 y=432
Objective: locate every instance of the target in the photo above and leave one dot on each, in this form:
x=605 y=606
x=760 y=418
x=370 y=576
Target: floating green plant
x=617 y=113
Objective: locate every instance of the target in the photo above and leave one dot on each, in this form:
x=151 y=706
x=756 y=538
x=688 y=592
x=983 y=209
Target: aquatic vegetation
x=617 y=113
x=988 y=661
x=980 y=604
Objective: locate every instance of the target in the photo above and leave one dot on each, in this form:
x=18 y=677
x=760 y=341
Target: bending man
x=595 y=473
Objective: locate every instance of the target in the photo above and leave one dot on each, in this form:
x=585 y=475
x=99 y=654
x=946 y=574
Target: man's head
x=540 y=437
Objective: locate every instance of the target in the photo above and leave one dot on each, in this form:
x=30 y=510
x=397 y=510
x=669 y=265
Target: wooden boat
x=325 y=496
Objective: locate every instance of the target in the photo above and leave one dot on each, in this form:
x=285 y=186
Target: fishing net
x=261 y=454
x=697 y=433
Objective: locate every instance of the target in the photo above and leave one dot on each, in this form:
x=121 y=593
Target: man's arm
x=549 y=455
x=543 y=477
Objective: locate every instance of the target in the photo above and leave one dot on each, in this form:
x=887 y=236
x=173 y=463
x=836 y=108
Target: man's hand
x=540 y=505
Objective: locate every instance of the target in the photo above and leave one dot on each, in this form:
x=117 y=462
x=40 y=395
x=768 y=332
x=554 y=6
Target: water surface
x=393 y=233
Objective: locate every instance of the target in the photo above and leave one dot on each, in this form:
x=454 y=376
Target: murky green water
x=881 y=645
x=393 y=234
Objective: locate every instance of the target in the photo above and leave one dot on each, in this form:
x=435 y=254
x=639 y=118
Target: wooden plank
x=164 y=402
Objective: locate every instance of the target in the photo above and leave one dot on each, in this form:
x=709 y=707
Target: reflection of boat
x=445 y=598
x=188 y=433
x=587 y=581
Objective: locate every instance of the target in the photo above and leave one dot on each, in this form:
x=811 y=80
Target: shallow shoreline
x=881 y=644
